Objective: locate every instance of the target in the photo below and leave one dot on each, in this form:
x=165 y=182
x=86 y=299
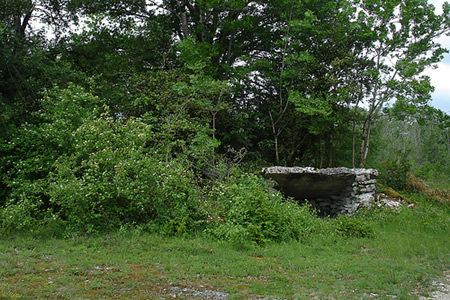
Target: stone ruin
x=331 y=191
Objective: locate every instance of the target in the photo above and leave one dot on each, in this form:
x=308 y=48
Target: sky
x=440 y=77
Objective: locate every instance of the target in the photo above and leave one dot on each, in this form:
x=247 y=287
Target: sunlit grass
x=408 y=249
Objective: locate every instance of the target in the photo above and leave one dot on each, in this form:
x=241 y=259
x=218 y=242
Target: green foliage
x=29 y=156
x=196 y=57
x=310 y=106
x=202 y=150
x=354 y=226
x=91 y=171
x=393 y=172
x=112 y=178
x=422 y=136
x=178 y=106
x=248 y=210
x=182 y=92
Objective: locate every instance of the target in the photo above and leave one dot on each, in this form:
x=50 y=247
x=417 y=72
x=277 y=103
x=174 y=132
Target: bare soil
x=440 y=289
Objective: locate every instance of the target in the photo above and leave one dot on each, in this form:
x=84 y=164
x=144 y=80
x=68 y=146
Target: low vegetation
x=377 y=253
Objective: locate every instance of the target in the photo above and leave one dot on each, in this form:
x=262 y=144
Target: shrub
x=27 y=159
x=417 y=185
x=112 y=178
x=393 y=172
x=353 y=226
x=248 y=210
x=89 y=171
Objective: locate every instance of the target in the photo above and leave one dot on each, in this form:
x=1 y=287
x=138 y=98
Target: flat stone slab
x=307 y=182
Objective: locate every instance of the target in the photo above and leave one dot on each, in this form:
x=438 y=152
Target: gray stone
x=315 y=183
x=367 y=189
x=331 y=190
x=367 y=182
x=197 y=294
x=366 y=197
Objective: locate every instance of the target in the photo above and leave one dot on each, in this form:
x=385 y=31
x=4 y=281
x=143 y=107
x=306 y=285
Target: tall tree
x=400 y=43
x=26 y=64
x=304 y=81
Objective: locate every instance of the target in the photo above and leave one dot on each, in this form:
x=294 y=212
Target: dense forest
x=160 y=113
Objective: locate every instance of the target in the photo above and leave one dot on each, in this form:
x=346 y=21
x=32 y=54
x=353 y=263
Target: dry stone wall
x=331 y=191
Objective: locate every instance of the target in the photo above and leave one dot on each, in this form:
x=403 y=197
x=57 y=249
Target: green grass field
x=406 y=251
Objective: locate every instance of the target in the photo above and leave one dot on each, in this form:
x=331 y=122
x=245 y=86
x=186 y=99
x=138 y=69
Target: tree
x=399 y=44
x=27 y=64
x=419 y=135
x=301 y=86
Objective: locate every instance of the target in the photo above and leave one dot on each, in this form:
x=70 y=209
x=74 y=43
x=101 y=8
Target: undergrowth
x=378 y=252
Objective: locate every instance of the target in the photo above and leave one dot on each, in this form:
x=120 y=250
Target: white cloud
x=437 y=4
x=440 y=77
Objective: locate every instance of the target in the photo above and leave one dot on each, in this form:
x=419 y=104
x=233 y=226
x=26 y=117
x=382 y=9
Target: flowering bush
x=28 y=158
x=87 y=170
x=113 y=178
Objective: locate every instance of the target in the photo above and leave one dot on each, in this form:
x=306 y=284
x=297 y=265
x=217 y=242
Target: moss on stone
x=393 y=194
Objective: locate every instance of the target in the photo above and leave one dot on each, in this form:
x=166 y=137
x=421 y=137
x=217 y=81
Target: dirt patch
x=440 y=289
x=197 y=294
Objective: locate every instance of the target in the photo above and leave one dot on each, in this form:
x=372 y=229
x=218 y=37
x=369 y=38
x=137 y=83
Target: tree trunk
x=277 y=154
x=25 y=22
x=275 y=133
x=321 y=153
x=330 y=152
x=353 y=143
x=169 y=127
x=365 y=139
x=214 y=113
x=183 y=19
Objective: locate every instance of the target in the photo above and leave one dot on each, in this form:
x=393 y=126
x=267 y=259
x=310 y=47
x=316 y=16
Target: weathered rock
x=197 y=294
x=395 y=203
x=332 y=190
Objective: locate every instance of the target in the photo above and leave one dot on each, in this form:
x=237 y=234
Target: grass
x=407 y=250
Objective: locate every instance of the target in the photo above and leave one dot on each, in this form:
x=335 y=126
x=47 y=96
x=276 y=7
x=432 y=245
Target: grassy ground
x=407 y=250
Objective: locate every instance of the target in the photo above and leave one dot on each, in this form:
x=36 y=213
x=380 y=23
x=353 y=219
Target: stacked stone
x=344 y=202
x=322 y=205
x=362 y=192
x=364 y=189
x=333 y=205
x=357 y=187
